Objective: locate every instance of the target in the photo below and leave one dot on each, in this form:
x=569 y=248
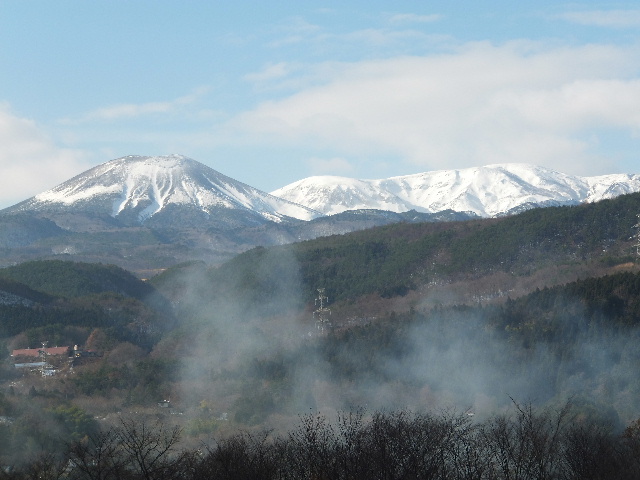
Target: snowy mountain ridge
x=143 y=186
x=487 y=191
x=139 y=211
x=176 y=190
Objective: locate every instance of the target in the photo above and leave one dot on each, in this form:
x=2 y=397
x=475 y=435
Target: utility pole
x=322 y=313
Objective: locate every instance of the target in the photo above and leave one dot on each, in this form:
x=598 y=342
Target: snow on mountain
x=176 y=190
x=487 y=191
x=610 y=186
x=331 y=195
x=145 y=186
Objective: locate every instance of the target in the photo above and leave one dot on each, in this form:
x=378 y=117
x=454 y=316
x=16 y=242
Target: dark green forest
x=394 y=259
x=75 y=279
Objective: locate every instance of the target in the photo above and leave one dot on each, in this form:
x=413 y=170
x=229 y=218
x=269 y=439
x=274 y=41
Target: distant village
x=49 y=360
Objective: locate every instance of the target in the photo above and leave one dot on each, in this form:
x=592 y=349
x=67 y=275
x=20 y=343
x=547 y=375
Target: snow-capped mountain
x=141 y=189
x=138 y=211
x=488 y=191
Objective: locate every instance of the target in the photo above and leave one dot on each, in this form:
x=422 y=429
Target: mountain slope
x=395 y=260
x=74 y=279
x=20 y=230
x=137 y=189
x=488 y=191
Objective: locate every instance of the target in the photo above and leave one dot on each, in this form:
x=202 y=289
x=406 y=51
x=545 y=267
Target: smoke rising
x=258 y=359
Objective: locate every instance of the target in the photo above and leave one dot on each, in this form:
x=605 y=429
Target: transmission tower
x=43 y=359
x=637 y=238
x=322 y=313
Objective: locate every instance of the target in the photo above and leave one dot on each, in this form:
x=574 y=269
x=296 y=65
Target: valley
x=454 y=313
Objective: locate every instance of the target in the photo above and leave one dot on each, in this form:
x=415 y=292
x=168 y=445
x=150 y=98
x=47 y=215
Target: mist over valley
x=363 y=311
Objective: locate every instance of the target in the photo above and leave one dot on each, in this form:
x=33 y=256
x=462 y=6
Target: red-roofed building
x=36 y=352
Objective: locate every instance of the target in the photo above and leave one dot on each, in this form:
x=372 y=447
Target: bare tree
x=99 y=457
x=311 y=448
x=528 y=446
x=466 y=456
x=349 y=452
x=242 y=456
x=150 y=449
x=45 y=467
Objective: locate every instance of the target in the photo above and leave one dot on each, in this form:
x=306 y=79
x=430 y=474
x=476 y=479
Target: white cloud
x=518 y=102
x=271 y=72
x=30 y=161
x=132 y=110
x=605 y=18
x=296 y=30
x=414 y=18
x=401 y=33
x=388 y=38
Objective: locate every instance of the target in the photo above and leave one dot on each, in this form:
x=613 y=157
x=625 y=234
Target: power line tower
x=322 y=313
x=637 y=238
x=43 y=359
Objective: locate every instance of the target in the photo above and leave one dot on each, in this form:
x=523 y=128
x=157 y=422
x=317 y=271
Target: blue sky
x=272 y=92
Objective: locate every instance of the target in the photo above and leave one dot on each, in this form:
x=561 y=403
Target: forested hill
x=393 y=260
x=556 y=314
x=75 y=279
x=45 y=298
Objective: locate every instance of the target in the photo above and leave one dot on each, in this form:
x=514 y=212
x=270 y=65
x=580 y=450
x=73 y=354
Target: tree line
x=522 y=444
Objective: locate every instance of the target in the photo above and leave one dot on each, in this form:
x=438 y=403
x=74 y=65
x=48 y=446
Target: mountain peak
x=174 y=190
x=138 y=188
x=486 y=191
